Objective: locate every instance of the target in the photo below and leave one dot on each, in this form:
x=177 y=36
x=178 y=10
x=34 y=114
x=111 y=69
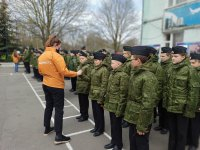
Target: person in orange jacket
x=16 y=58
x=52 y=67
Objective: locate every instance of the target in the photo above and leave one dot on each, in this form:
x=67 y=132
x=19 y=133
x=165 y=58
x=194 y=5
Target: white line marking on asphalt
x=70 y=117
x=39 y=90
x=40 y=100
x=41 y=95
x=92 y=122
x=77 y=133
x=67 y=106
x=36 y=87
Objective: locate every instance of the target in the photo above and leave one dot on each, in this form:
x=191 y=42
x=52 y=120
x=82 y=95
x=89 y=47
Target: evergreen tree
x=5 y=25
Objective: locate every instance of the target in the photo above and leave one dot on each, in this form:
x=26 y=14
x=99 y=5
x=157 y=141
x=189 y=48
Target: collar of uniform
x=197 y=68
x=185 y=62
x=119 y=69
x=50 y=49
x=169 y=61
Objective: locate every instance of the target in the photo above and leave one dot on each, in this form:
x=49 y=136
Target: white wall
x=192 y=35
x=152 y=33
x=154 y=8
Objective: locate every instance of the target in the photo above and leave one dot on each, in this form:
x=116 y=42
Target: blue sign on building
x=183 y=16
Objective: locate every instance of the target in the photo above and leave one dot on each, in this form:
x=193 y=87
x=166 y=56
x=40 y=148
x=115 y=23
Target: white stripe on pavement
x=40 y=100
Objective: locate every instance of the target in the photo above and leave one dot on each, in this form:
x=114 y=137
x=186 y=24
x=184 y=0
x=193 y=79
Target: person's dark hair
x=143 y=59
x=53 y=39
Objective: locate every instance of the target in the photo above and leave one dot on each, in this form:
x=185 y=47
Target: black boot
x=109 y=146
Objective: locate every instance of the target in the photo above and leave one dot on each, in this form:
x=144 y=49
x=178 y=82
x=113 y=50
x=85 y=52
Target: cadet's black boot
x=60 y=139
x=78 y=117
x=109 y=146
x=82 y=119
x=71 y=90
x=97 y=133
x=116 y=148
x=192 y=148
x=164 y=131
x=48 y=131
x=158 y=128
x=93 y=130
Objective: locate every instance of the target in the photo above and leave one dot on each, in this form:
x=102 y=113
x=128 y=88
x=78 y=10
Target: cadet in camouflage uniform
x=182 y=97
x=141 y=100
x=194 y=129
x=99 y=81
x=166 y=62
x=127 y=65
x=73 y=66
x=116 y=98
x=26 y=59
x=34 y=63
x=83 y=86
x=107 y=60
x=155 y=67
x=127 y=69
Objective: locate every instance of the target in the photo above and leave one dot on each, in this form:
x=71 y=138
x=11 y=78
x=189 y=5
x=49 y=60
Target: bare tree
x=44 y=17
x=116 y=21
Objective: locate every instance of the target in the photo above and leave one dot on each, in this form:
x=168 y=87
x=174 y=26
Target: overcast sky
x=95 y=3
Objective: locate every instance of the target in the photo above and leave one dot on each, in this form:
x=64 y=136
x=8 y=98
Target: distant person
x=16 y=58
x=26 y=59
x=53 y=68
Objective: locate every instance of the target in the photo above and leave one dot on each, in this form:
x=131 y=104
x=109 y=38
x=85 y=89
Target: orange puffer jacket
x=53 y=68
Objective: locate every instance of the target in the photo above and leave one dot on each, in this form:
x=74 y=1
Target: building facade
x=171 y=22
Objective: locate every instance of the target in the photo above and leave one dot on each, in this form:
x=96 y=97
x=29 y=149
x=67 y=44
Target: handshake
x=79 y=72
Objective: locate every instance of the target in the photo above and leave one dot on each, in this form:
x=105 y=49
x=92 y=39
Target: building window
x=180 y=1
x=170 y=3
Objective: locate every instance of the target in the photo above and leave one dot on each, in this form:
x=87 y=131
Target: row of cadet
x=133 y=86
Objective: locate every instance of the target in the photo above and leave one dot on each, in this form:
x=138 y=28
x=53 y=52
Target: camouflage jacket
x=27 y=56
x=67 y=59
x=165 y=66
x=198 y=104
x=182 y=89
x=127 y=67
x=99 y=81
x=83 y=81
x=155 y=67
x=73 y=63
x=117 y=91
x=107 y=62
x=141 y=98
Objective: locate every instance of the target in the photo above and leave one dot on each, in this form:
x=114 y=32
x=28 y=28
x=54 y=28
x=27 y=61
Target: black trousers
x=194 y=131
x=35 y=72
x=84 y=104
x=163 y=122
x=27 y=67
x=98 y=114
x=116 y=130
x=178 y=126
x=54 y=98
x=138 y=142
x=73 y=82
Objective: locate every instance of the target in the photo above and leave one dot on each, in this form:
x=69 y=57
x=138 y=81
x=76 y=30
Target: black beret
x=140 y=50
x=127 y=48
x=74 y=51
x=195 y=56
x=66 y=51
x=99 y=55
x=151 y=49
x=81 y=53
x=166 y=50
x=179 y=50
x=119 y=58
